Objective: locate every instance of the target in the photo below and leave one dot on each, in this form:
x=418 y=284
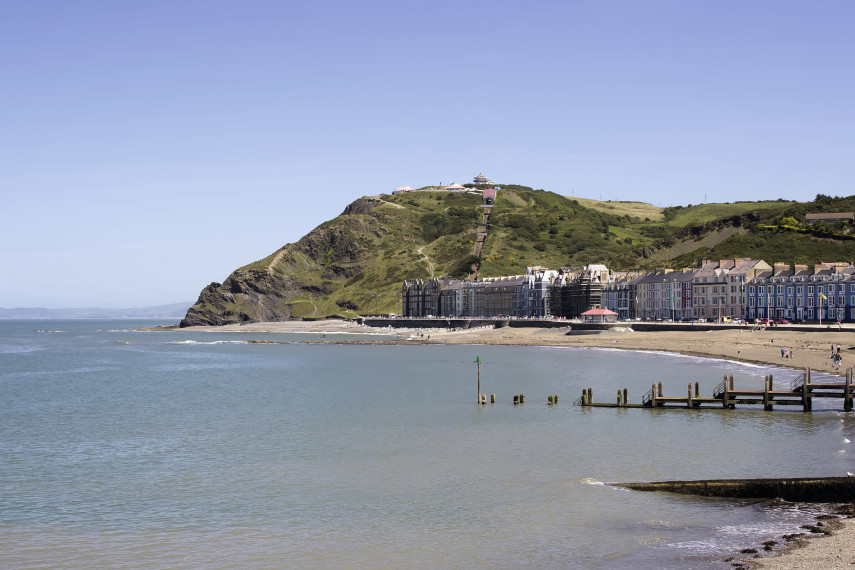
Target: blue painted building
x=827 y=293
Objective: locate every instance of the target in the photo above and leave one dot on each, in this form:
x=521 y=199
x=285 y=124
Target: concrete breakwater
x=466 y=323
x=805 y=490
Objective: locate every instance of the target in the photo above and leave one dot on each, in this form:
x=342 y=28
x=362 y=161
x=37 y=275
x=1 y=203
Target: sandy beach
x=809 y=349
x=803 y=349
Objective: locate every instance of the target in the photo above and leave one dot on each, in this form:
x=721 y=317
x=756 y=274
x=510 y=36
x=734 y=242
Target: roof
x=403 y=189
x=597 y=312
x=830 y=216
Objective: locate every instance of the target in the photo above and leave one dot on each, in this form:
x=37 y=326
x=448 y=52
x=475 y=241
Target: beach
x=802 y=349
x=828 y=551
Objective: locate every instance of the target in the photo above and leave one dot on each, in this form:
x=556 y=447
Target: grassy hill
x=355 y=263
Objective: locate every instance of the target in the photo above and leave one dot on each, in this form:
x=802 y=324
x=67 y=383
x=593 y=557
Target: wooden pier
x=801 y=393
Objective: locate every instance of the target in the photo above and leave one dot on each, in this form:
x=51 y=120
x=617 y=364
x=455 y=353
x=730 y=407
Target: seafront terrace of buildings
x=718 y=290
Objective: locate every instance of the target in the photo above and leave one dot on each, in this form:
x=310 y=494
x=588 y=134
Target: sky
x=150 y=148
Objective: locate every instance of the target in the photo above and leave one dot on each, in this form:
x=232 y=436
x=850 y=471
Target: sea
x=121 y=448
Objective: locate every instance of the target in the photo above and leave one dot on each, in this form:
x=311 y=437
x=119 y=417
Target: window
x=831 y=288
x=750 y=301
x=780 y=289
x=751 y=290
x=841 y=300
x=761 y=290
x=810 y=290
x=810 y=302
x=799 y=290
x=790 y=290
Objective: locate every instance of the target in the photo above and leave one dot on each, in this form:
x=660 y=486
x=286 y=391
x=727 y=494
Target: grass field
x=708 y=212
x=640 y=210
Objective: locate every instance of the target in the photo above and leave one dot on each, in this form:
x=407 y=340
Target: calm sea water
x=184 y=450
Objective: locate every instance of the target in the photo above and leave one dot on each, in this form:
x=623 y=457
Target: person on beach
x=783 y=352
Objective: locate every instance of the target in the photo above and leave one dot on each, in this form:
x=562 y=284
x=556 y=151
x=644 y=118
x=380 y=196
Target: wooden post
x=697 y=389
x=555 y=398
x=584 y=397
x=725 y=399
x=516 y=399
x=659 y=389
x=618 y=399
x=590 y=396
x=732 y=405
x=767 y=383
x=522 y=398
x=478 y=362
x=549 y=400
x=492 y=398
x=653 y=392
x=847 y=396
x=807 y=400
x=689 y=399
x=625 y=400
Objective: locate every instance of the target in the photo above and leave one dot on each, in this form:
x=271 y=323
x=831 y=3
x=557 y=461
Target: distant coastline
x=173 y=310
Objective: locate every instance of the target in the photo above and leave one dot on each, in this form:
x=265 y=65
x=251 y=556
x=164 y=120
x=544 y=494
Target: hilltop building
x=481 y=179
x=830 y=217
x=489 y=196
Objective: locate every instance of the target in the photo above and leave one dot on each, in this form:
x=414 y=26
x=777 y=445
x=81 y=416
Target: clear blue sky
x=149 y=148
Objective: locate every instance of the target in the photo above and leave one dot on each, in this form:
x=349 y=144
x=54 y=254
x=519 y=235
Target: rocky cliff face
x=294 y=278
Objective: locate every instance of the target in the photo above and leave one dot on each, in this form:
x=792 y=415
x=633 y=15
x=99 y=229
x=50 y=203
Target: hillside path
x=429 y=262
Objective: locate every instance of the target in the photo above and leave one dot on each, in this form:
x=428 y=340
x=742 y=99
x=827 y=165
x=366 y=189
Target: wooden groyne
x=807 y=490
x=801 y=392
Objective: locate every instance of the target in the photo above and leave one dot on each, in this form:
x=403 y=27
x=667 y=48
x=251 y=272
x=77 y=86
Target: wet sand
x=827 y=551
x=808 y=349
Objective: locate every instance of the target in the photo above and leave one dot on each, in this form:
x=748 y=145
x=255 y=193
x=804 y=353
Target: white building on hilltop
x=481 y=179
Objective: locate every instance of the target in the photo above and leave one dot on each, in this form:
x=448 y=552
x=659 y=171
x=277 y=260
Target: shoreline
x=809 y=349
x=803 y=349
x=827 y=546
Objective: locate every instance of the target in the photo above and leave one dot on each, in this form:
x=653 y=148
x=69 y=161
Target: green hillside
x=355 y=263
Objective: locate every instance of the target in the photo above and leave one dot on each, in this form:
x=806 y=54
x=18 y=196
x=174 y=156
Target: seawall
x=466 y=323
x=808 y=490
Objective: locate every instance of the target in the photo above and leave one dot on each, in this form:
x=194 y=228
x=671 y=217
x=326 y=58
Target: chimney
x=798 y=268
x=779 y=267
